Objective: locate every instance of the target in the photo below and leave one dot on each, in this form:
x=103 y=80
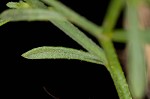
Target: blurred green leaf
x=120 y=36
x=147 y=36
x=136 y=59
x=46 y=52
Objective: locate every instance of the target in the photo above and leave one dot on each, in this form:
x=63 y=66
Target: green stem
x=115 y=70
x=114 y=66
x=111 y=16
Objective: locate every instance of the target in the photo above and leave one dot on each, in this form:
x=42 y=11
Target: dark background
x=65 y=79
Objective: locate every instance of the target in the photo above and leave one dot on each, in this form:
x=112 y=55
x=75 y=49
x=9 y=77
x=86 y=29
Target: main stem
x=113 y=65
x=115 y=70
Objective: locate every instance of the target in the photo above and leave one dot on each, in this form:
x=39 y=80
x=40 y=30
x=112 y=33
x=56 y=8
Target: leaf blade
x=29 y=15
x=49 y=52
x=80 y=38
x=136 y=60
x=59 y=21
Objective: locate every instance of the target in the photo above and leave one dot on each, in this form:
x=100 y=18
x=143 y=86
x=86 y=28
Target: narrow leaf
x=136 y=59
x=74 y=17
x=77 y=35
x=29 y=15
x=120 y=36
x=61 y=53
x=80 y=38
x=59 y=21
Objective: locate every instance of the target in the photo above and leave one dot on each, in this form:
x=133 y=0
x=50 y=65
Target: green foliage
x=64 y=18
x=47 y=52
x=136 y=60
x=30 y=15
x=20 y=4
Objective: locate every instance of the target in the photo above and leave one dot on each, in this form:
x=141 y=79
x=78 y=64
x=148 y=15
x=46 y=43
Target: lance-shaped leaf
x=59 y=21
x=29 y=15
x=46 y=52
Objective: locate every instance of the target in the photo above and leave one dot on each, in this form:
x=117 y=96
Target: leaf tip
x=20 y=4
x=24 y=55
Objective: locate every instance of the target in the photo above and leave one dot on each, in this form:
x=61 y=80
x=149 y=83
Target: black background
x=65 y=79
